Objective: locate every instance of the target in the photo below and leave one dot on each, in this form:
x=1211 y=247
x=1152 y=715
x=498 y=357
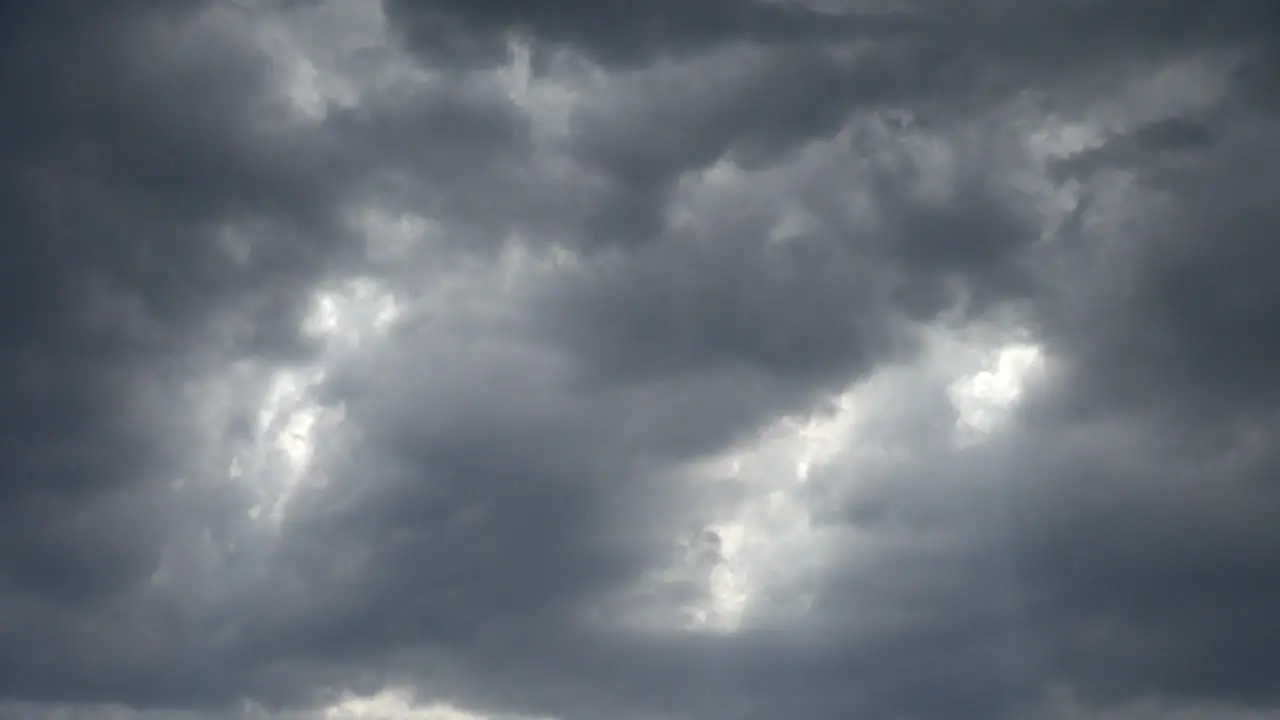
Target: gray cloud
x=348 y=349
x=618 y=33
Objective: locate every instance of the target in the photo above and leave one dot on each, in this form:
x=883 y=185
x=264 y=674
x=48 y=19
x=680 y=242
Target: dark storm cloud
x=1054 y=573
x=1198 y=322
x=1137 y=496
x=1142 y=148
x=127 y=147
x=826 y=305
x=1106 y=555
x=763 y=99
x=441 y=149
x=490 y=501
x=146 y=149
x=506 y=481
x=166 y=215
x=68 y=425
x=620 y=33
x=1155 y=563
x=1128 y=594
x=1149 y=585
x=136 y=138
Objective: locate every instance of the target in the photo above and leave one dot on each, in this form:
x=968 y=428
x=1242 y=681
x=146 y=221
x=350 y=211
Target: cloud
x=705 y=360
x=617 y=33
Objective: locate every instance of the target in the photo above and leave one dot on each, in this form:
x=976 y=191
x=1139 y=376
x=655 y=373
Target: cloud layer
x=714 y=359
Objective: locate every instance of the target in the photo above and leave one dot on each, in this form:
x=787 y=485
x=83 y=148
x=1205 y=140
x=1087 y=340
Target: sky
x=645 y=360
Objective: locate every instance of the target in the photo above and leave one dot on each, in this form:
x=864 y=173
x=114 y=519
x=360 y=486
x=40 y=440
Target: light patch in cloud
x=310 y=90
x=766 y=553
x=547 y=98
x=705 y=197
x=391 y=237
x=331 y=55
x=395 y=704
x=290 y=419
x=729 y=589
x=345 y=314
x=985 y=398
x=284 y=446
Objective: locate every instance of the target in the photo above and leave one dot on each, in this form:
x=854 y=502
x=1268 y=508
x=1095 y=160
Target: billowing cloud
x=708 y=359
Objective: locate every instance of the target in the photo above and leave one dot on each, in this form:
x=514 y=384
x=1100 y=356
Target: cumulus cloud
x=706 y=359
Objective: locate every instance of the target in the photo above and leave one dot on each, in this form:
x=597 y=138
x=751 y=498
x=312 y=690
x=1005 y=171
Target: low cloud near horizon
x=666 y=360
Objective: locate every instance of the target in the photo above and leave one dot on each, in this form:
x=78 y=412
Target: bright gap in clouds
x=350 y=319
x=985 y=398
x=762 y=545
x=395 y=704
x=768 y=554
x=392 y=703
x=344 y=317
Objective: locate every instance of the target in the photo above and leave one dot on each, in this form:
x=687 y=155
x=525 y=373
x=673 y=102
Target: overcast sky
x=640 y=360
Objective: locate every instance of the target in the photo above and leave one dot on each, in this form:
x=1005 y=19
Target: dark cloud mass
x=711 y=359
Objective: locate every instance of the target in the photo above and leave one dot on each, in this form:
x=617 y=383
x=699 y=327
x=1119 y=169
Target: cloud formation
x=714 y=359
